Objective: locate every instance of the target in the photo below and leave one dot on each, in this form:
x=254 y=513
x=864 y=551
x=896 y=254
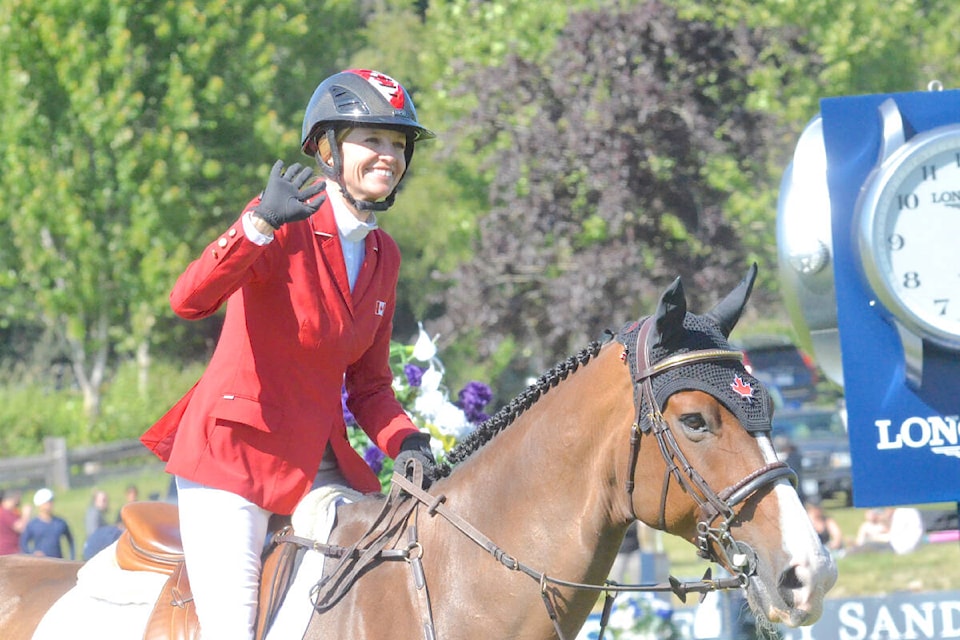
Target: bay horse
x=518 y=532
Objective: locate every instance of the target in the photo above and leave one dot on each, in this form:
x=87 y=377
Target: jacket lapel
x=328 y=241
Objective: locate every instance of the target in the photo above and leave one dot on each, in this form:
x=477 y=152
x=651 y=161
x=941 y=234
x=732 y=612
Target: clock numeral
x=896 y=242
x=909 y=201
x=941 y=303
x=929 y=172
x=958 y=159
x=911 y=280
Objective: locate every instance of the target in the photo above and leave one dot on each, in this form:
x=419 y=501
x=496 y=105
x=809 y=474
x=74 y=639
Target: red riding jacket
x=258 y=420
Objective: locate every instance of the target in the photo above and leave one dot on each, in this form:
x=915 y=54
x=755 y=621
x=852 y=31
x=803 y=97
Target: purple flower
x=347 y=415
x=473 y=398
x=414 y=374
x=374 y=458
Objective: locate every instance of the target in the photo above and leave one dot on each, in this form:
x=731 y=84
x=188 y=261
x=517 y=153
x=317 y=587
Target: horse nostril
x=789 y=582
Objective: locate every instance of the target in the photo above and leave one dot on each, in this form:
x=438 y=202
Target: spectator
x=101 y=539
x=132 y=494
x=899 y=530
x=42 y=535
x=826 y=527
x=96 y=515
x=13 y=521
x=874 y=532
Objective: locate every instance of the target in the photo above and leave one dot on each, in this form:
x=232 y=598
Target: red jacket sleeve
x=225 y=265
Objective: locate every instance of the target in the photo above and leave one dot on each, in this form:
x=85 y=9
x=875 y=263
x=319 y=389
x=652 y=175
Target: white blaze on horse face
x=798 y=533
x=794 y=523
x=812 y=565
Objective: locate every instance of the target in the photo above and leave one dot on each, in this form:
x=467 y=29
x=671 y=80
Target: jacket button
x=232 y=232
x=222 y=242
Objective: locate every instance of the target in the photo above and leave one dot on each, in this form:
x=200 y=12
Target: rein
x=435 y=506
x=400 y=507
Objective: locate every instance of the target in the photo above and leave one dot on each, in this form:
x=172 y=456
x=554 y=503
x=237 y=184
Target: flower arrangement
x=418 y=385
x=637 y=617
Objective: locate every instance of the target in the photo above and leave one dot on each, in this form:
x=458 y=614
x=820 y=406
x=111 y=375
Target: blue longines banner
x=902 y=390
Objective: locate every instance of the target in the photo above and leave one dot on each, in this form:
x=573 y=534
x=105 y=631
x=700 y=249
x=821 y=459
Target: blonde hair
x=323 y=144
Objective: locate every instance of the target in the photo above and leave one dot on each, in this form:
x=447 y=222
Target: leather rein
x=715 y=543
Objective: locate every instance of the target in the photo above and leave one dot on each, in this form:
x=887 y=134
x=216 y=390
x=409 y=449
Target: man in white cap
x=43 y=533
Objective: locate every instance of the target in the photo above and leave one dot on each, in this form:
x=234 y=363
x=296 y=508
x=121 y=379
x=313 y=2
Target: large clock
x=907 y=223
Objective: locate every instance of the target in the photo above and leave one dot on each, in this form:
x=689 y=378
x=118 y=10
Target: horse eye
x=693 y=421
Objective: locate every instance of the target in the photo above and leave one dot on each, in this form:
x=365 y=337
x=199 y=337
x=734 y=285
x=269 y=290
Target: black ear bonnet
x=726 y=380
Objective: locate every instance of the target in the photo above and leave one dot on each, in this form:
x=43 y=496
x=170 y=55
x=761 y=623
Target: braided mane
x=512 y=410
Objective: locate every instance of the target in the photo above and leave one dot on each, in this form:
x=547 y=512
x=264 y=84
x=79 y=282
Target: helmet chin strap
x=335 y=173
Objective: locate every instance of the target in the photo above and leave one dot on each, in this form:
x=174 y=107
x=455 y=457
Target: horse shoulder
x=381 y=600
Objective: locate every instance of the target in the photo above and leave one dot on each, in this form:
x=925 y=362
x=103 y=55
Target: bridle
x=714 y=543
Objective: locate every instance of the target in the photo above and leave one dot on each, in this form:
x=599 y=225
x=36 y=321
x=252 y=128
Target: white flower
x=621 y=618
x=430 y=381
x=451 y=420
x=424 y=349
x=428 y=403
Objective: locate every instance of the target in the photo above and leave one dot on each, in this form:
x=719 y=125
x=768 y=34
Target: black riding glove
x=285 y=200
x=416 y=446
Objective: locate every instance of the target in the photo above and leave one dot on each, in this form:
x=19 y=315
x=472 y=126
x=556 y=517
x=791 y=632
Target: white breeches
x=223 y=537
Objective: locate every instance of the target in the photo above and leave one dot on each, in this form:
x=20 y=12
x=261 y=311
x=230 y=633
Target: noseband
x=736 y=555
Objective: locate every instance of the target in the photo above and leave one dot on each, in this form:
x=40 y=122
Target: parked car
x=819 y=436
x=782 y=367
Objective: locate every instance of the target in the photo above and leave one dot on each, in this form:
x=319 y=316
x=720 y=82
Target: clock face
x=909 y=234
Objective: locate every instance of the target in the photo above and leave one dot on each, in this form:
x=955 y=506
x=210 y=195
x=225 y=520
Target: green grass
x=932 y=567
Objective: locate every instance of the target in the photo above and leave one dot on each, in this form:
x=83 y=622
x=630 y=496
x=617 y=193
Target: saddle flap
x=151 y=537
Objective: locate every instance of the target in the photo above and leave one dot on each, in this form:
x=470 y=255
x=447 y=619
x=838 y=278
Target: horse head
x=702 y=432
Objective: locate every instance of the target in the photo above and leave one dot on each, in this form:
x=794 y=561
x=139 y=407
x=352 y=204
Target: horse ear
x=727 y=312
x=670 y=313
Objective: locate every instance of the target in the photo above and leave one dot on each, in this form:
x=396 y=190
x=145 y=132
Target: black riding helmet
x=358 y=98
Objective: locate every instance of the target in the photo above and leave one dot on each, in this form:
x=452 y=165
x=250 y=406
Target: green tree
x=130 y=130
x=432 y=48
x=606 y=190
x=821 y=48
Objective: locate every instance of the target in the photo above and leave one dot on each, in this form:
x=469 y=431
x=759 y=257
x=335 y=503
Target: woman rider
x=309 y=282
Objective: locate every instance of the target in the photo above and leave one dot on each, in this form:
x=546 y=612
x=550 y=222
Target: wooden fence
x=60 y=468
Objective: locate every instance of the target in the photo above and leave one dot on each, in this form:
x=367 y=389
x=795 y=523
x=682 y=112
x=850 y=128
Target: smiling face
x=373 y=162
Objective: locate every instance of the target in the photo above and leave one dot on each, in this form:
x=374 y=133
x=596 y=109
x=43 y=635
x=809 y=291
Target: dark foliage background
x=600 y=194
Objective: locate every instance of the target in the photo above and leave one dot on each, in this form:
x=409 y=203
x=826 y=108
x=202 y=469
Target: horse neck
x=555 y=476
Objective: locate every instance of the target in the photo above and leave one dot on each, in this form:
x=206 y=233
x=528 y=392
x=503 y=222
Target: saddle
x=151 y=542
